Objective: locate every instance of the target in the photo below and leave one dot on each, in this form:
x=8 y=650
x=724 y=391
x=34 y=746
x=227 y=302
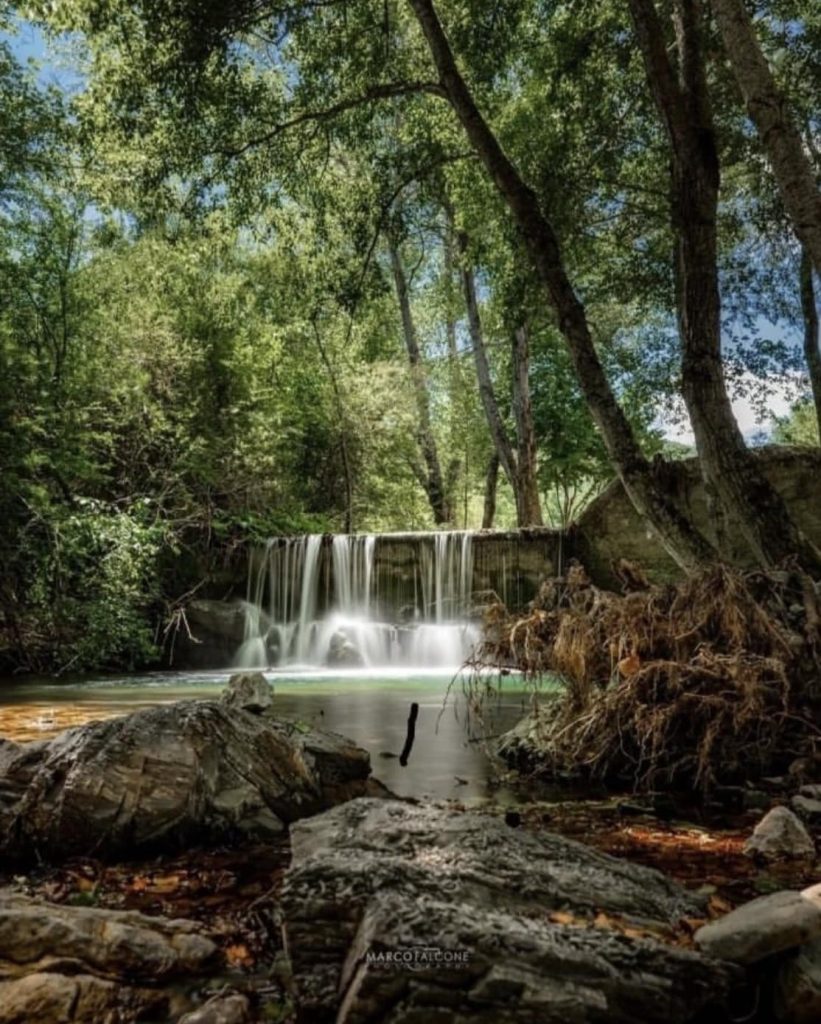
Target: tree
x=733 y=478
x=678 y=534
x=770 y=112
x=520 y=465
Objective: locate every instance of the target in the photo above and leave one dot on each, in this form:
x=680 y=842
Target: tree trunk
x=434 y=481
x=780 y=137
x=343 y=429
x=491 y=483
x=519 y=464
x=731 y=473
x=812 y=340
x=675 y=530
x=528 y=503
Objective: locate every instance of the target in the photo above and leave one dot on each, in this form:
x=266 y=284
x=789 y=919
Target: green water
x=449 y=758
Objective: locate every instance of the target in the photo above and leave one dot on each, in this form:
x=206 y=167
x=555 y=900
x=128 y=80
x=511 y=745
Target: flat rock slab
x=167 y=777
x=110 y=943
x=62 y=963
x=770 y=924
x=52 y=998
x=506 y=917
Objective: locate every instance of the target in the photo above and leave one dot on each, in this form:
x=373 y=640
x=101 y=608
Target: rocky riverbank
x=308 y=899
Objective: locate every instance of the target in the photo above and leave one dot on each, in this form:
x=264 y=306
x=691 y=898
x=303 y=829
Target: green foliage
x=199 y=337
x=799 y=427
x=93 y=579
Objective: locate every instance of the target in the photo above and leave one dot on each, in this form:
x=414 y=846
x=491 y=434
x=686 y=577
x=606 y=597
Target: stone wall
x=511 y=564
x=611 y=529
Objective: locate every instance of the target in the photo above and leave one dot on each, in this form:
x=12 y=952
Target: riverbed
x=450 y=756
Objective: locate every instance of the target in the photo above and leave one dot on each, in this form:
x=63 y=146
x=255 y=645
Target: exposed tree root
x=713 y=679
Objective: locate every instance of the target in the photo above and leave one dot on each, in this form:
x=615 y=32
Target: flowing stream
x=330 y=601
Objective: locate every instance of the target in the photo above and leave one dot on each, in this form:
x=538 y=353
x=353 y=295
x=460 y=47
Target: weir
x=380 y=600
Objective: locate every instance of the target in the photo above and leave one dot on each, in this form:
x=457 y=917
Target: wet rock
x=221 y=1009
x=525 y=747
x=811 y=791
x=109 y=943
x=780 y=835
x=807 y=808
x=62 y=963
x=374 y=882
x=250 y=691
x=798 y=986
x=169 y=776
x=226 y=619
x=767 y=925
x=342 y=653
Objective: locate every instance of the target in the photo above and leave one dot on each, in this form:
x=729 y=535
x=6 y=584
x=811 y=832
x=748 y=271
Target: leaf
x=238 y=955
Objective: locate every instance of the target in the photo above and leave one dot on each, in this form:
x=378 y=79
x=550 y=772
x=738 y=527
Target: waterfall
x=334 y=601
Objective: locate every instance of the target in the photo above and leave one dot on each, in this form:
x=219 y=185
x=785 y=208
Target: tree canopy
x=285 y=266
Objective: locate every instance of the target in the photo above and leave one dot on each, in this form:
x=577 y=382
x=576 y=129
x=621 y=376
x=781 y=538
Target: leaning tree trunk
x=812 y=352
x=732 y=475
x=686 y=545
x=780 y=137
x=527 y=499
x=434 y=482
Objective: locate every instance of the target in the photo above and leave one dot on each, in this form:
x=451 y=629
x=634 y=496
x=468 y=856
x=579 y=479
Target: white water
x=314 y=601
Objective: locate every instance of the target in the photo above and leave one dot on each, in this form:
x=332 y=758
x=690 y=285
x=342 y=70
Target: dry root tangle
x=713 y=679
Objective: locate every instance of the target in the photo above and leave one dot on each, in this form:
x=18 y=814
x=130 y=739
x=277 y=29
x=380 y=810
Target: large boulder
x=403 y=913
x=61 y=963
x=226 y=619
x=169 y=776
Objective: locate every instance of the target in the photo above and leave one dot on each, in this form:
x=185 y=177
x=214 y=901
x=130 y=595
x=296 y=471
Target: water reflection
x=449 y=756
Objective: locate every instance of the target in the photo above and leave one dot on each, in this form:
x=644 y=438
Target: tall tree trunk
x=343 y=428
x=491 y=483
x=528 y=502
x=519 y=464
x=434 y=482
x=674 y=528
x=780 y=136
x=812 y=352
x=731 y=472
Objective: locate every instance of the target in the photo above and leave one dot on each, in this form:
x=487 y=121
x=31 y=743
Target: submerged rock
x=780 y=835
x=409 y=913
x=169 y=776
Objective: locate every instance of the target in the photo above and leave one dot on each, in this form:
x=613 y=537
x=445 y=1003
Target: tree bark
x=731 y=473
x=491 y=483
x=780 y=136
x=812 y=340
x=676 y=531
x=434 y=482
x=528 y=501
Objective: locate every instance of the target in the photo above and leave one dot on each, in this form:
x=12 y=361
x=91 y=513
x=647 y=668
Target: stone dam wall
x=511 y=564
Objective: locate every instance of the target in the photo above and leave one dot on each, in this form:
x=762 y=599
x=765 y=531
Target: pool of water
x=450 y=753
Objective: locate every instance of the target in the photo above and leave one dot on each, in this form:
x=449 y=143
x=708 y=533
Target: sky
x=30 y=45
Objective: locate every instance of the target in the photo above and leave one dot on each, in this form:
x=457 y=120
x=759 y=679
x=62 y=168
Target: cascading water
x=330 y=601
